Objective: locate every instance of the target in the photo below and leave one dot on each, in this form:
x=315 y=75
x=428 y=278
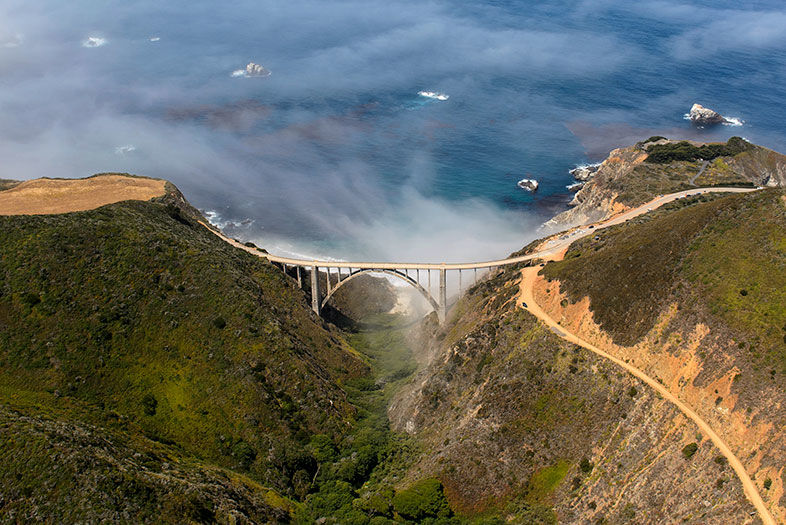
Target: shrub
x=632 y=391
x=244 y=454
x=149 y=404
x=30 y=299
x=767 y=484
x=689 y=450
x=424 y=499
x=685 y=151
x=586 y=465
x=219 y=323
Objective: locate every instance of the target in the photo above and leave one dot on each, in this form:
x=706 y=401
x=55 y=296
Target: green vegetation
x=767 y=484
x=689 y=450
x=138 y=317
x=6 y=184
x=685 y=151
x=354 y=484
x=424 y=499
x=545 y=481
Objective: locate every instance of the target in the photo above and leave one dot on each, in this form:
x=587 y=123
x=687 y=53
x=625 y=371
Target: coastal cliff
x=628 y=177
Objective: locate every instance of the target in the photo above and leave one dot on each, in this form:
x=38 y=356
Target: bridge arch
x=395 y=273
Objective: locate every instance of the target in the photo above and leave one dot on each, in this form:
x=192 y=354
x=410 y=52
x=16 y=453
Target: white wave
x=214 y=218
x=728 y=121
x=585 y=166
x=94 y=41
x=125 y=150
x=155 y=38
x=575 y=186
x=433 y=95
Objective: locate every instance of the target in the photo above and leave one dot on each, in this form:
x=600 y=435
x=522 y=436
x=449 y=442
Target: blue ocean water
x=335 y=153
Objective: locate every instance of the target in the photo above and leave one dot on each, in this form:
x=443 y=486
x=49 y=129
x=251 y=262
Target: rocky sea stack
x=702 y=116
x=528 y=184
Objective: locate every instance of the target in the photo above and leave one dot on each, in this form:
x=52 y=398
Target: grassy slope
x=727 y=256
x=131 y=313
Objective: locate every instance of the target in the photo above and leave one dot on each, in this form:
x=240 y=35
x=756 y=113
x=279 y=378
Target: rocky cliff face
x=627 y=179
x=517 y=422
x=596 y=200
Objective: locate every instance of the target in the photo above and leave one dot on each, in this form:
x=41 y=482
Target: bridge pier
x=316 y=300
x=443 y=296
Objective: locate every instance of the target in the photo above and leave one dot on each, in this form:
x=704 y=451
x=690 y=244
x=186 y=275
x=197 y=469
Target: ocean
x=329 y=149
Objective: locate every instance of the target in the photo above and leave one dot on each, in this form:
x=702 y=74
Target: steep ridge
x=694 y=297
x=131 y=328
x=548 y=431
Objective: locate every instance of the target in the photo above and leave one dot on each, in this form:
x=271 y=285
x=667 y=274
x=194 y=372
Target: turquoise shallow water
x=335 y=152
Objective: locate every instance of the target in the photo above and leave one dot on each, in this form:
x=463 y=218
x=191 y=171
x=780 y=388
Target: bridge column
x=443 y=296
x=316 y=300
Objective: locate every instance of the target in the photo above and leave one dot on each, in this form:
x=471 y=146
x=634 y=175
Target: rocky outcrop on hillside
x=627 y=179
x=547 y=431
x=71 y=472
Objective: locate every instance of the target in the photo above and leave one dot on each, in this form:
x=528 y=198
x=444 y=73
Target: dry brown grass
x=45 y=196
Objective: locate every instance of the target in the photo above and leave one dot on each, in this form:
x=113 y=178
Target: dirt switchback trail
x=526 y=297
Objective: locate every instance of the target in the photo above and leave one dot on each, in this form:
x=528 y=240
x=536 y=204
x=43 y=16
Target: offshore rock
x=702 y=116
x=528 y=184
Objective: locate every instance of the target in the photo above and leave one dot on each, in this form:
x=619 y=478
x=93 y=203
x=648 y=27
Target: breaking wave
x=94 y=41
x=728 y=121
x=124 y=150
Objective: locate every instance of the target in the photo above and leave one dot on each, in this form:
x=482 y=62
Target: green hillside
x=133 y=313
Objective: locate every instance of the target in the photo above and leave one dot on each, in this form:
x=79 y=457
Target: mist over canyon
x=335 y=153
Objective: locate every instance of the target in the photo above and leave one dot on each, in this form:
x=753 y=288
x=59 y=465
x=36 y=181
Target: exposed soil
x=47 y=196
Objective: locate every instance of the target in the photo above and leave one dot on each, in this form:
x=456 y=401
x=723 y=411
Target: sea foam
x=728 y=121
x=124 y=150
x=94 y=41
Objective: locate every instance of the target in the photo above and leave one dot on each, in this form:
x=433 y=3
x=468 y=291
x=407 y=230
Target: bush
x=424 y=499
x=30 y=299
x=149 y=404
x=767 y=484
x=244 y=454
x=632 y=391
x=689 y=450
x=685 y=151
x=219 y=323
x=586 y=465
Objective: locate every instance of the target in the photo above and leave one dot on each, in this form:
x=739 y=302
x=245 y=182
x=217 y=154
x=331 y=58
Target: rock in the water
x=584 y=173
x=528 y=184
x=702 y=116
x=252 y=70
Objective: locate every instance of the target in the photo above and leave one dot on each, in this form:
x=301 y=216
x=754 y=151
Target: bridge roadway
x=554 y=244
